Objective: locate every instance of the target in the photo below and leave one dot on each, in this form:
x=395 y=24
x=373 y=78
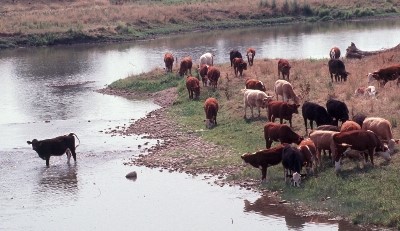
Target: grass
x=365 y=195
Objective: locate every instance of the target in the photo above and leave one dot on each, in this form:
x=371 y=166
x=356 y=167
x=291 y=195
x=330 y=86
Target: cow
x=203 y=69
x=359 y=140
x=292 y=161
x=385 y=75
x=281 y=110
x=366 y=91
x=382 y=128
x=193 y=87
x=334 y=53
x=169 y=61
x=186 y=66
x=264 y=158
x=213 y=75
x=315 y=112
x=238 y=66
x=337 y=110
x=211 y=110
x=234 y=54
x=359 y=118
x=338 y=68
x=254 y=98
x=323 y=141
x=285 y=89
x=328 y=127
x=206 y=59
x=255 y=84
x=284 y=68
x=349 y=125
x=55 y=147
x=251 y=52
x=281 y=133
x=309 y=150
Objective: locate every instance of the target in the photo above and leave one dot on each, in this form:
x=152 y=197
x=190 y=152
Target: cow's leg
x=311 y=125
x=68 y=152
x=48 y=161
x=73 y=153
x=252 y=115
x=259 y=111
x=371 y=155
x=281 y=120
x=264 y=174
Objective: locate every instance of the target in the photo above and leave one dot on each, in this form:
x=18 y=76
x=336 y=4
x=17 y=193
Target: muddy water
x=47 y=92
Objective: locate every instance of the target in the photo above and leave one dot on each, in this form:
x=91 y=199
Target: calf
x=211 y=110
x=334 y=53
x=385 y=75
x=284 y=68
x=285 y=89
x=206 y=59
x=337 y=67
x=281 y=133
x=382 y=128
x=234 y=54
x=193 y=87
x=250 y=55
x=238 y=66
x=315 y=112
x=213 y=75
x=254 y=98
x=281 y=110
x=169 y=61
x=55 y=147
x=337 y=110
x=203 y=69
x=255 y=85
x=366 y=91
x=264 y=159
x=323 y=141
x=186 y=66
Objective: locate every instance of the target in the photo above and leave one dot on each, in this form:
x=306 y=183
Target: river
x=50 y=91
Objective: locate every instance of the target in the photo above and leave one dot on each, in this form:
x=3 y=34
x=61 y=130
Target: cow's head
x=296 y=179
x=209 y=123
x=35 y=144
x=266 y=100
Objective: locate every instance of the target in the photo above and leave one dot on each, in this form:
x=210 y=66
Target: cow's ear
x=29 y=142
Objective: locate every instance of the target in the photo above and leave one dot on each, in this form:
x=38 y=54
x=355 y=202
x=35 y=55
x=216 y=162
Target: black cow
x=234 y=54
x=336 y=66
x=359 y=118
x=315 y=112
x=292 y=160
x=55 y=147
x=337 y=110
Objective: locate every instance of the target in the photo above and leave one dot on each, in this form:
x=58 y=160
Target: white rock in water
x=131 y=175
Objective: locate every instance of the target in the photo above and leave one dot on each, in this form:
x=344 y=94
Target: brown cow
x=211 y=110
x=323 y=141
x=203 y=69
x=264 y=159
x=280 y=132
x=186 y=66
x=250 y=55
x=213 y=75
x=255 y=84
x=334 y=53
x=239 y=65
x=284 y=68
x=349 y=125
x=281 y=110
x=309 y=150
x=169 y=61
x=382 y=128
x=385 y=75
x=193 y=87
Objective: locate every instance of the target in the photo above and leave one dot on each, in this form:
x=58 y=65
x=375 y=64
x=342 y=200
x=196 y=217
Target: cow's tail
x=73 y=134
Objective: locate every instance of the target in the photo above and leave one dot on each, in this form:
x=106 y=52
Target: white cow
x=206 y=59
x=285 y=89
x=255 y=98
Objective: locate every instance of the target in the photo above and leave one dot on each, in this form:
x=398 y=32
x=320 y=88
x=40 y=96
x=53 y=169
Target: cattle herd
x=359 y=137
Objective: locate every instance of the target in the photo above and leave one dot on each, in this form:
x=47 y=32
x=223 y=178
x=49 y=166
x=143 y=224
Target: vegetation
x=366 y=195
x=47 y=22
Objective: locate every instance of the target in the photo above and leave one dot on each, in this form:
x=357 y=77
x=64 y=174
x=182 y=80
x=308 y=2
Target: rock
x=131 y=175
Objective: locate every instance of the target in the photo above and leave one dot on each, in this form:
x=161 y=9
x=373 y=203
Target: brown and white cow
x=211 y=110
x=383 y=129
x=334 y=53
x=251 y=52
x=169 y=61
x=238 y=66
x=281 y=133
x=285 y=89
x=282 y=110
x=385 y=75
x=284 y=68
x=309 y=150
x=193 y=87
x=55 y=147
x=213 y=75
x=366 y=91
x=254 y=98
x=255 y=84
x=186 y=66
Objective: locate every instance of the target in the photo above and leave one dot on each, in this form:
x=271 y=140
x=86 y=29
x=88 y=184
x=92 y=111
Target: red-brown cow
x=255 y=85
x=349 y=125
x=385 y=75
x=309 y=150
x=169 y=61
x=284 y=68
x=281 y=133
x=186 y=66
x=264 y=159
x=211 y=110
x=203 y=69
x=251 y=52
x=281 y=110
x=334 y=53
x=193 y=87
x=239 y=65
x=213 y=75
